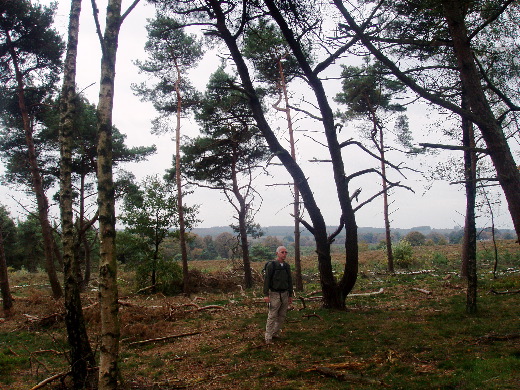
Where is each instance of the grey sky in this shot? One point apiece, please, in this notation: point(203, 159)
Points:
point(442, 206)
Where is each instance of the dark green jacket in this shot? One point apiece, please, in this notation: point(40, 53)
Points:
point(278, 278)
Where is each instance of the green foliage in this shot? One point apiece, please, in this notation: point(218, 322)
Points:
point(260, 253)
point(150, 214)
point(403, 254)
point(171, 53)
point(37, 45)
point(29, 245)
point(265, 46)
point(440, 260)
point(367, 89)
point(168, 276)
point(415, 238)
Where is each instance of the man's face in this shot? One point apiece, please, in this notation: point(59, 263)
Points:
point(282, 254)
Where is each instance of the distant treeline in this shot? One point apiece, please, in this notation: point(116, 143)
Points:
point(372, 235)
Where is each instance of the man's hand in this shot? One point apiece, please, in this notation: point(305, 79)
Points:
point(267, 299)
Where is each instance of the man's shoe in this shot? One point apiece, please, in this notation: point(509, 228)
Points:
point(268, 341)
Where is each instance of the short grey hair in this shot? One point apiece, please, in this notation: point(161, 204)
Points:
point(280, 248)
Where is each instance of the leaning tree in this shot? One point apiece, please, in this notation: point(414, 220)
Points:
point(225, 22)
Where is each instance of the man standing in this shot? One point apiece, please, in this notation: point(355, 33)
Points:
point(278, 292)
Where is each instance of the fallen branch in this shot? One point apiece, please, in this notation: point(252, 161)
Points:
point(317, 298)
point(44, 321)
point(422, 291)
point(505, 292)
point(143, 342)
point(49, 380)
point(380, 291)
point(201, 308)
point(147, 288)
point(209, 307)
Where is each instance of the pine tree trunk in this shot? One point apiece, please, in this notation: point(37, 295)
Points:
point(497, 146)
point(469, 246)
point(248, 277)
point(82, 358)
point(108, 293)
point(388, 233)
point(242, 227)
point(41, 198)
point(178, 181)
point(7, 298)
point(334, 294)
point(296, 205)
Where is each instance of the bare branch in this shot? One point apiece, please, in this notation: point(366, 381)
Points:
point(361, 146)
point(491, 19)
point(95, 12)
point(453, 147)
point(304, 223)
point(130, 9)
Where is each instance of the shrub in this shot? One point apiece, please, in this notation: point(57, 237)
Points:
point(168, 276)
point(439, 259)
point(415, 238)
point(403, 254)
point(260, 253)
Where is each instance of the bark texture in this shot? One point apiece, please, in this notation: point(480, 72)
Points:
point(81, 355)
point(108, 293)
point(492, 133)
point(7, 298)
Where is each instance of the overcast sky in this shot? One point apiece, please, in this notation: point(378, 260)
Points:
point(436, 204)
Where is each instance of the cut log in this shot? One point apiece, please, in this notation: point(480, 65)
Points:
point(427, 292)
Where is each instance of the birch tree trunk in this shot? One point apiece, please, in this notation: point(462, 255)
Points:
point(81, 357)
point(108, 293)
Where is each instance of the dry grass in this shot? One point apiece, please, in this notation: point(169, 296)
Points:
point(215, 340)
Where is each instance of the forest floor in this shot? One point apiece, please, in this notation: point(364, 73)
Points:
point(407, 330)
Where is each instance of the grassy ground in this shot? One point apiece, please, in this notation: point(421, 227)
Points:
point(414, 334)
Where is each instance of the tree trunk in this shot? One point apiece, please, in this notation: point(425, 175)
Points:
point(334, 294)
point(41, 198)
point(469, 246)
point(178, 181)
point(248, 277)
point(380, 145)
point(481, 113)
point(242, 226)
point(7, 298)
point(388, 233)
point(87, 250)
point(492, 133)
point(108, 293)
point(82, 358)
point(296, 206)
